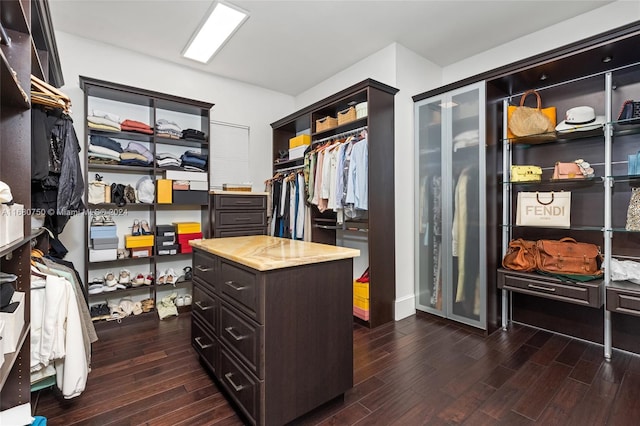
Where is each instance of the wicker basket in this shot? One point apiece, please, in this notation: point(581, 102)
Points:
point(346, 115)
point(326, 123)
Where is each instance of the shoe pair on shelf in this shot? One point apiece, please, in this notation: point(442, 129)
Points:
point(99, 285)
point(168, 277)
point(364, 278)
point(183, 300)
point(102, 220)
point(141, 279)
point(140, 227)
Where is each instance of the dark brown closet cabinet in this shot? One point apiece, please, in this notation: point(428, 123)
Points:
point(379, 227)
point(29, 49)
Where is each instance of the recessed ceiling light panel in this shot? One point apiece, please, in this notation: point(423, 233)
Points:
point(221, 23)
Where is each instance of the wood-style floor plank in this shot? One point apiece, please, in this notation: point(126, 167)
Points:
point(421, 370)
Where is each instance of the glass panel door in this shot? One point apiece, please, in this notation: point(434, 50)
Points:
point(429, 265)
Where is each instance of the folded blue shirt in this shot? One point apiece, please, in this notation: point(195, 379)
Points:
point(106, 142)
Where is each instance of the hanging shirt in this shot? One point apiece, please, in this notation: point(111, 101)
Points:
point(358, 178)
point(300, 209)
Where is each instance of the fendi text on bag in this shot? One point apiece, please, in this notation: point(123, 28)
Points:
point(546, 209)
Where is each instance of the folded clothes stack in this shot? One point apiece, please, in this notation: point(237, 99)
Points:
point(104, 150)
point(168, 129)
point(193, 134)
point(136, 126)
point(192, 160)
point(136, 155)
point(166, 159)
point(102, 120)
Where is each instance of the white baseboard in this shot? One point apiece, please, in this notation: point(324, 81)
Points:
point(405, 307)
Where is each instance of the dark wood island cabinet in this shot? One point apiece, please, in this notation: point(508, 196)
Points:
point(272, 320)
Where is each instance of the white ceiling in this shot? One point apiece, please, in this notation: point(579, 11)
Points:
point(290, 46)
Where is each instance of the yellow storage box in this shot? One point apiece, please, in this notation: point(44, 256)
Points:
point(299, 141)
point(165, 188)
point(361, 302)
point(187, 227)
point(136, 241)
point(361, 289)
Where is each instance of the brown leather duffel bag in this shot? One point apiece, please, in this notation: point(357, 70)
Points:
point(567, 256)
point(521, 256)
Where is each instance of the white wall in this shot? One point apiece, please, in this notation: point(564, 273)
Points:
point(403, 69)
point(235, 102)
point(597, 21)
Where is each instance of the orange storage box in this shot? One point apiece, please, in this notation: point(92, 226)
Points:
point(164, 191)
point(136, 241)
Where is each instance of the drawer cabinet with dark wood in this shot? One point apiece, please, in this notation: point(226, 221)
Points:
point(587, 293)
point(281, 340)
point(233, 215)
point(624, 298)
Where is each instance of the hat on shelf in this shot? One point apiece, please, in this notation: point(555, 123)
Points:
point(5, 193)
point(580, 118)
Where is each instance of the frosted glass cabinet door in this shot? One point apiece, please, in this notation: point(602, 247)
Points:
point(450, 205)
point(429, 134)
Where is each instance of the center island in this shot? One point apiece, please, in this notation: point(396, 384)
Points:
point(273, 321)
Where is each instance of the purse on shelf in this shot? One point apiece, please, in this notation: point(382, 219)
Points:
point(526, 173)
point(97, 192)
point(633, 211)
point(632, 167)
point(520, 256)
point(544, 209)
point(629, 112)
point(527, 121)
point(117, 194)
point(567, 171)
point(568, 257)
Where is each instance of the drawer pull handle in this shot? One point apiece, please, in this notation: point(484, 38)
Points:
point(243, 202)
point(242, 219)
point(234, 285)
point(237, 337)
point(539, 287)
point(197, 339)
point(235, 387)
point(203, 269)
point(203, 308)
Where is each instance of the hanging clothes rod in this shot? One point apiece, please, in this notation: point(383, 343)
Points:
point(286, 169)
point(347, 133)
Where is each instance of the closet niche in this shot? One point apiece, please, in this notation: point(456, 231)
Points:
point(368, 105)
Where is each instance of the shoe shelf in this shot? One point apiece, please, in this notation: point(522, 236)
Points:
point(148, 107)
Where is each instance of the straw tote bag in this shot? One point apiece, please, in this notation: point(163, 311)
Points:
point(527, 121)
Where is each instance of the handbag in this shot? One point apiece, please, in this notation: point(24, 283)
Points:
point(520, 256)
point(546, 209)
point(527, 121)
point(633, 211)
point(526, 174)
point(97, 191)
point(567, 171)
point(632, 167)
point(117, 194)
point(567, 256)
point(629, 112)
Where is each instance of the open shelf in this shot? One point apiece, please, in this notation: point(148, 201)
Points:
point(117, 168)
point(11, 357)
point(12, 92)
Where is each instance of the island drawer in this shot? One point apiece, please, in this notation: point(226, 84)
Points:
point(237, 202)
point(245, 390)
point(624, 298)
point(205, 344)
point(204, 266)
point(241, 286)
point(243, 336)
point(205, 306)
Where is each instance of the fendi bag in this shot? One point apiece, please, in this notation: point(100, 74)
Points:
point(546, 209)
point(567, 256)
point(526, 174)
point(521, 256)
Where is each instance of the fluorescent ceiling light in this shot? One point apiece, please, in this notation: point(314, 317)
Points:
point(223, 20)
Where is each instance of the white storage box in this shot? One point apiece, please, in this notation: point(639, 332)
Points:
point(361, 110)
point(297, 152)
point(13, 323)
point(11, 223)
point(103, 255)
point(186, 175)
point(196, 185)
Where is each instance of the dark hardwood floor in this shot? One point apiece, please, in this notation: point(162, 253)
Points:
point(420, 370)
